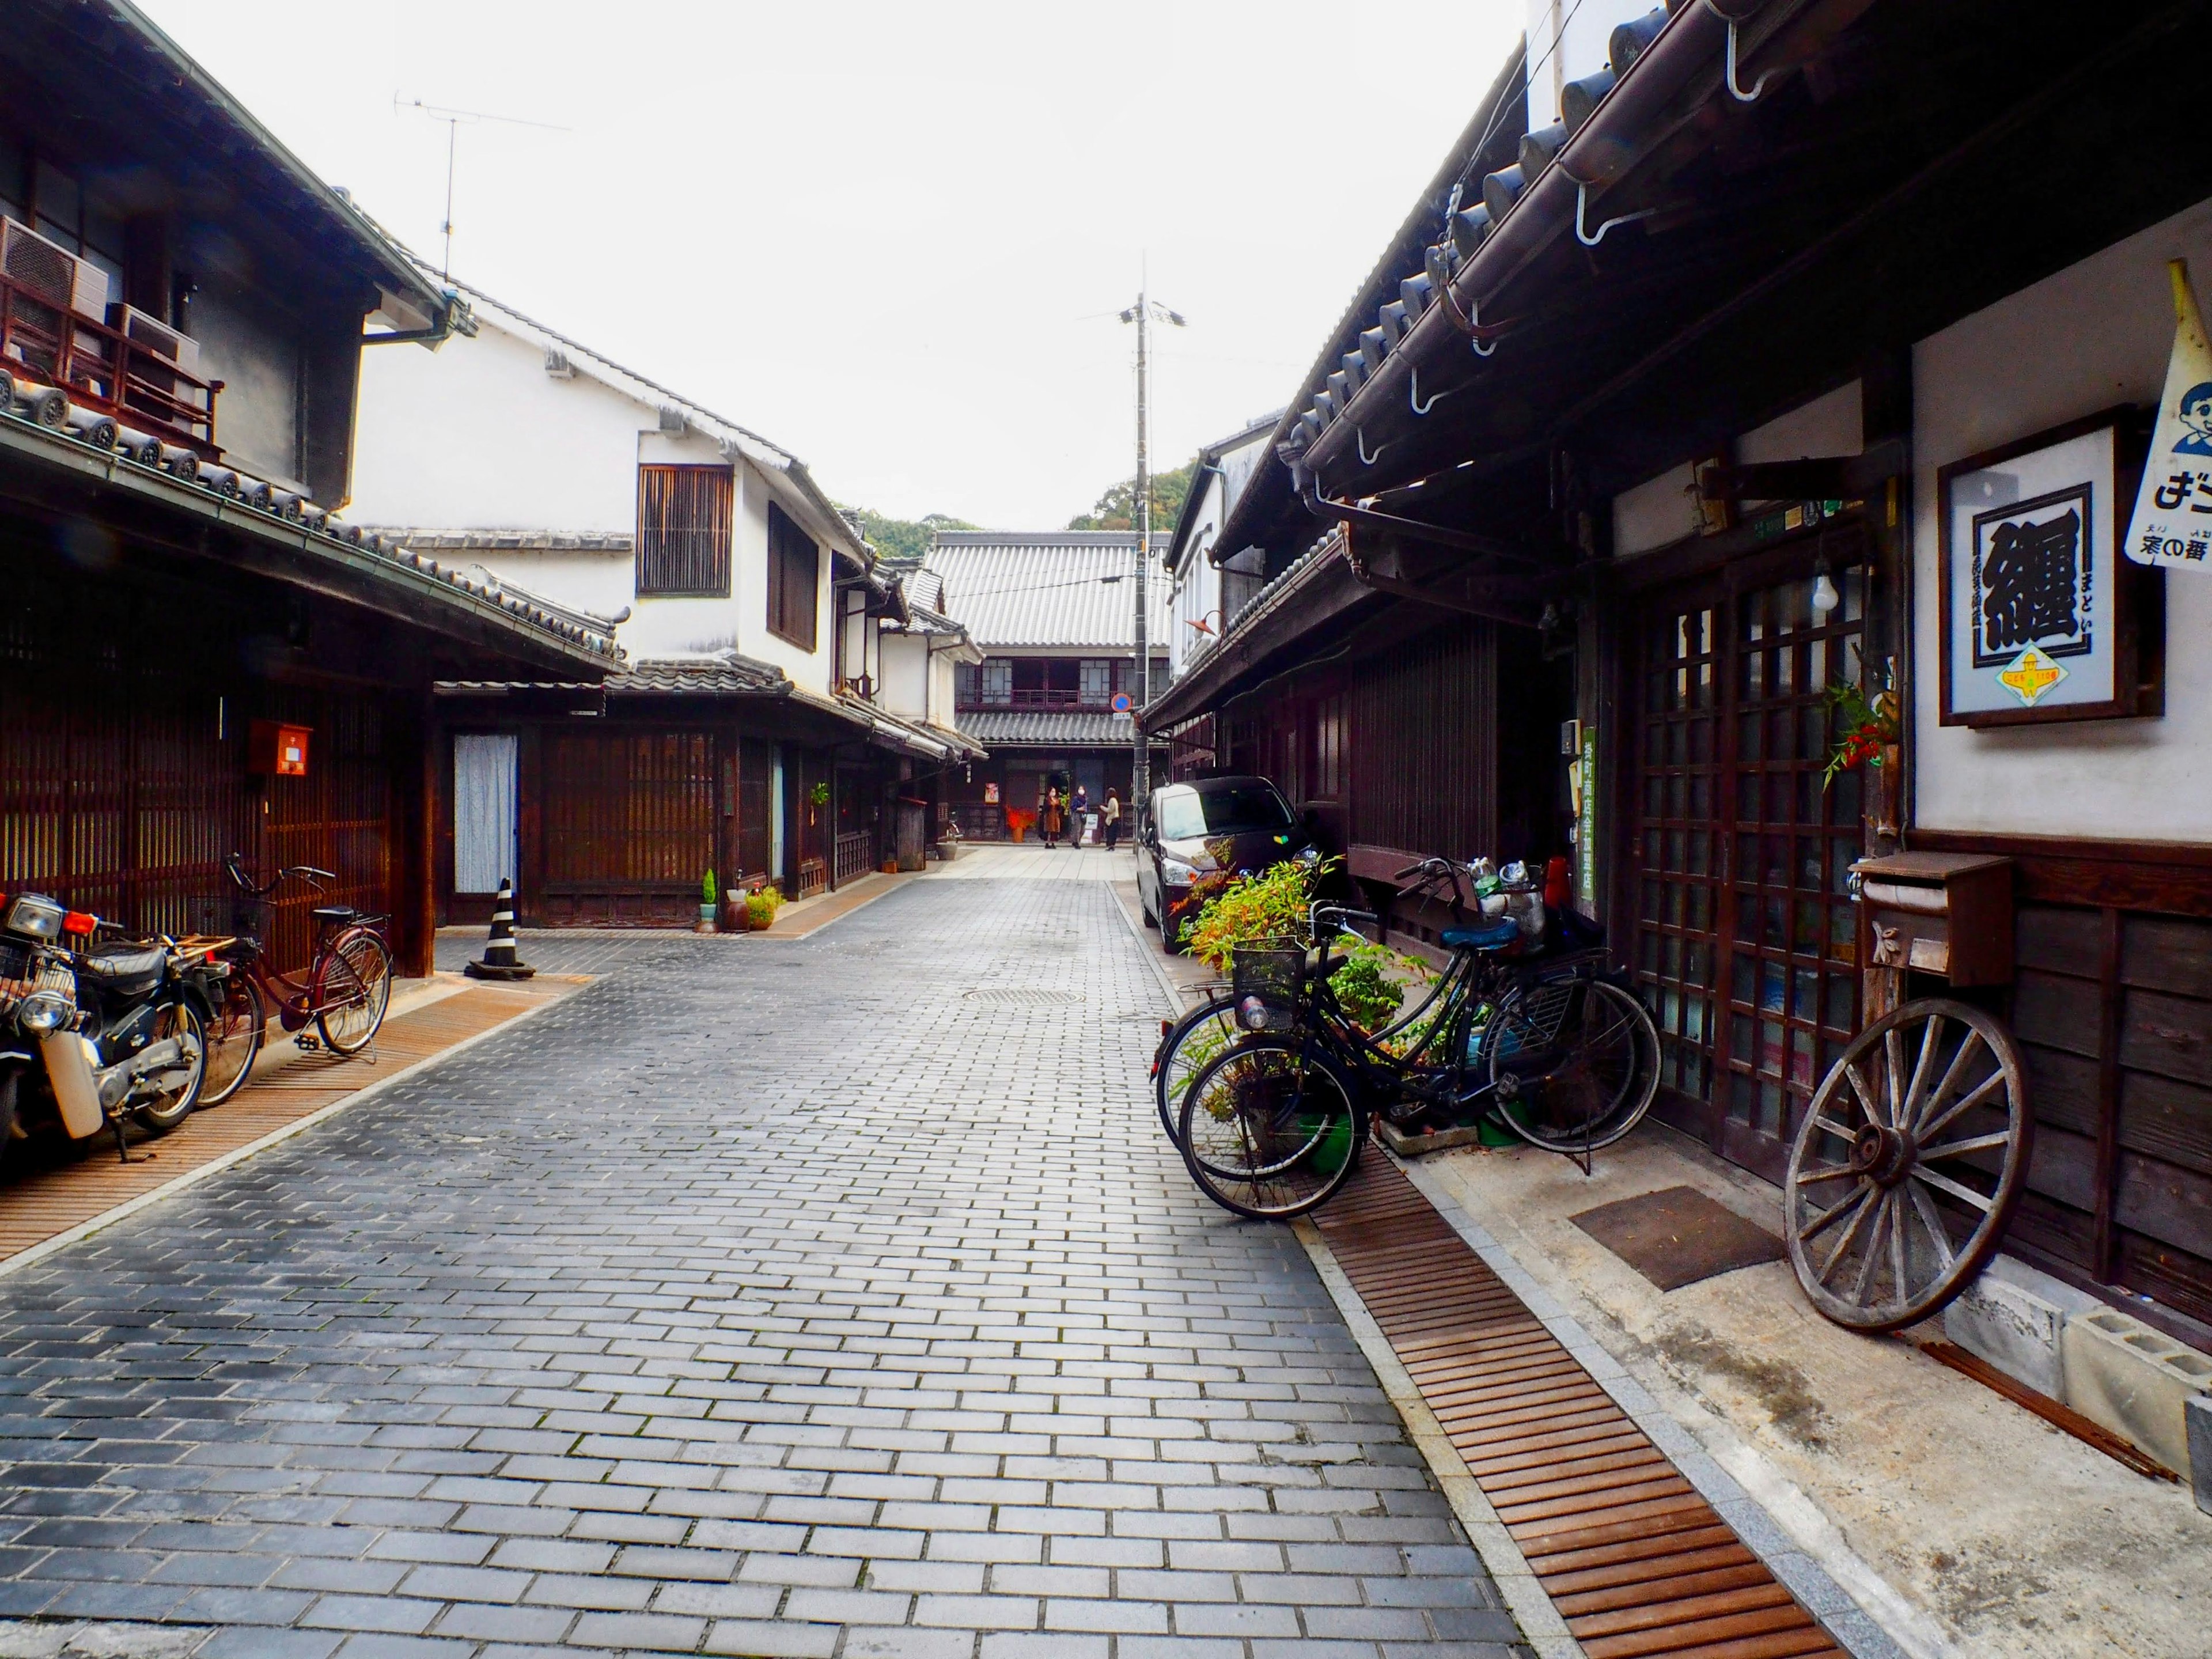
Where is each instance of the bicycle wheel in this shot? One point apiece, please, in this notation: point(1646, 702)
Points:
point(234, 1038)
point(1191, 1041)
point(174, 1091)
point(352, 989)
point(1574, 1065)
point(1269, 1131)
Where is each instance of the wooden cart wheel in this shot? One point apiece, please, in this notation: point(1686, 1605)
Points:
point(1908, 1165)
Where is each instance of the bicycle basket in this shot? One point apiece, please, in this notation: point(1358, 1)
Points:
point(252, 918)
point(1265, 980)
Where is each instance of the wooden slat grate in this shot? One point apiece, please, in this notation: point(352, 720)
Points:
point(1637, 1562)
point(40, 1204)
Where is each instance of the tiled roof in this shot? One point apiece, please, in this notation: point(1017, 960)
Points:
point(239, 497)
point(1023, 588)
point(1057, 728)
point(515, 541)
point(726, 675)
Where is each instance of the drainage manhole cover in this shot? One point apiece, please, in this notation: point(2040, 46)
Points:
point(1022, 996)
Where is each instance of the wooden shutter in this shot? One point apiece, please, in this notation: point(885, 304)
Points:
point(794, 575)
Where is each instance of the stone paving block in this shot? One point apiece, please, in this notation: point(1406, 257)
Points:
point(894, 1349)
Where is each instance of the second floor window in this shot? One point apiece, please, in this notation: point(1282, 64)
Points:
point(795, 579)
point(1097, 681)
point(998, 680)
point(683, 529)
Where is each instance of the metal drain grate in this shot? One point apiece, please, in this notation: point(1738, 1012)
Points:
point(1023, 996)
point(1637, 1563)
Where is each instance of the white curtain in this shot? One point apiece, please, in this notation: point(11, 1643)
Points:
point(483, 810)
point(776, 820)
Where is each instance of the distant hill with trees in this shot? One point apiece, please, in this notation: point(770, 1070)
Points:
point(901, 538)
point(1112, 510)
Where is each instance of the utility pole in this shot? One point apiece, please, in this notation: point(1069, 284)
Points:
point(1140, 760)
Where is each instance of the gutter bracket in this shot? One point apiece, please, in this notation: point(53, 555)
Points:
point(1413, 394)
point(1735, 88)
point(1482, 335)
point(1359, 438)
point(1591, 239)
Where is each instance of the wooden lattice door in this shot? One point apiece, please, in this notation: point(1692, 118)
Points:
point(1746, 939)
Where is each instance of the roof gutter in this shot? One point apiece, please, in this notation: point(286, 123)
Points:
point(1697, 41)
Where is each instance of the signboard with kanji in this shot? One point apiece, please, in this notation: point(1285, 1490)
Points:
point(2038, 611)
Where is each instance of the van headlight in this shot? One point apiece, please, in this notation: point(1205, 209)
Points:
point(44, 1012)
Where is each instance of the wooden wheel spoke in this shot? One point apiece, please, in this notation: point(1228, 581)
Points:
point(1964, 1193)
point(1897, 1253)
point(1971, 1144)
point(1892, 1054)
point(1836, 1250)
point(1932, 1220)
point(1825, 1173)
point(1865, 1280)
point(1835, 1129)
point(1954, 1074)
point(1931, 1038)
point(1982, 1091)
point(1828, 1218)
point(1866, 1095)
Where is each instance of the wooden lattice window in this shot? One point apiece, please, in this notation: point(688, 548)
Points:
point(795, 579)
point(685, 527)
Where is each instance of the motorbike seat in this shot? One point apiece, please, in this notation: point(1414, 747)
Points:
point(333, 915)
point(126, 969)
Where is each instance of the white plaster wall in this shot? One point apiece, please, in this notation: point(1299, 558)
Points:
point(904, 688)
point(1198, 584)
point(1655, 511)
point(478, 435)
point(814, 670)
point(2093, 336)
point(1831, 424)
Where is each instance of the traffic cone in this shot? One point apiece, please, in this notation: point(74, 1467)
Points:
point(499, 960)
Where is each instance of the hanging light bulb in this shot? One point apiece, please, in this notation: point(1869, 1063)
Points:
point(1825, 596)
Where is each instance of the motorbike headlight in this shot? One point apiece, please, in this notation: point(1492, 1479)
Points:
point(34, 915)
point(43, 1011)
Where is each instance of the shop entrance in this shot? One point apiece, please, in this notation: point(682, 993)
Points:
point(1746, 939)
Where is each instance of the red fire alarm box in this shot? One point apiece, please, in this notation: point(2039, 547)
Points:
point(276, 749)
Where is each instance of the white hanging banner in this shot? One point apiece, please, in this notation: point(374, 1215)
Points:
point(2173, 522)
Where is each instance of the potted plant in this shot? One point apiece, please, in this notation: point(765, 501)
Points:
point(761, 906)
point(707, 904)
point(1019, 821)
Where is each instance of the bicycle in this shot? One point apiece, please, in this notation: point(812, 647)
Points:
point(343, 991)
point(1271, 1126)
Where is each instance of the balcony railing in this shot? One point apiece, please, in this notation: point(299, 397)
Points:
point(1038, 697)
point(102, 369)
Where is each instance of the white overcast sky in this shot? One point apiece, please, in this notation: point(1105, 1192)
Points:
point(893, 236)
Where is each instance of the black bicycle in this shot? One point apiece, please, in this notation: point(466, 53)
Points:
point(1271, 1126)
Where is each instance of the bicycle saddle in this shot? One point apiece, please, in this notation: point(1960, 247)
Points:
point(1489, 936)
point(333, 915)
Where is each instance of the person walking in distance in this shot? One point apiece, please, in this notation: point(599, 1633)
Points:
point(1111, 812)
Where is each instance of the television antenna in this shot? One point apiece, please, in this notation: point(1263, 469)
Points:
point(454, 120)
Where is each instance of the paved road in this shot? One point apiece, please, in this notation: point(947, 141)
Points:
point(834, 1298)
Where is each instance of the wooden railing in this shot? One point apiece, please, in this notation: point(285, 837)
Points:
point(102, 369)
point(855, 855)
point(1037, 698)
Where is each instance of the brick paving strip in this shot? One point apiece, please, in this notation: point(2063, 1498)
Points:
point(1634, 1558)
point(57, 1205)
point(834, 1297)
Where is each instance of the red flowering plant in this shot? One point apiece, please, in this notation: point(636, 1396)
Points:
point(1864, 728)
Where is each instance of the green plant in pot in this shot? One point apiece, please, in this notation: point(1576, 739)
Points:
point(761, 907)
point(707, 902)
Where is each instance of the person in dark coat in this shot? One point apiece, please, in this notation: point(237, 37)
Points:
point(1079, 816)
point(1050, 819)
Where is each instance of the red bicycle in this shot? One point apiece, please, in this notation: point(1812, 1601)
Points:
point(344, 990)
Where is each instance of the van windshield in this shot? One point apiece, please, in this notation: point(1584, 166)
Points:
point(1242, 809)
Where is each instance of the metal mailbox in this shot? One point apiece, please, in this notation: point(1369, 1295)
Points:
point(1940, 913)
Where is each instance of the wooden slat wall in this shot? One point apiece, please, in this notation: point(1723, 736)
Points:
point(629, 809)
point(2112, 1002)
point(1422, 745)
point(122, 779)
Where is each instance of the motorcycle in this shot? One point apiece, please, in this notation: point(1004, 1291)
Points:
point(109, 1036)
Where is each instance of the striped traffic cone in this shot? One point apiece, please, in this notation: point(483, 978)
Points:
point(499, 960)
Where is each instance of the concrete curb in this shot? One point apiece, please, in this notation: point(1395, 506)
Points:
point(1776, 1520)
point(1532, 1609)
point(106, 1218)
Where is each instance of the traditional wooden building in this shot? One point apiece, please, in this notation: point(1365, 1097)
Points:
point(183, 313)
point(1052, 615)
point(747, 736)
point(1750, 354)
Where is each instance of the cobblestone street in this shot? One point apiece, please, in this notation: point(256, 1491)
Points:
point(837, 1297)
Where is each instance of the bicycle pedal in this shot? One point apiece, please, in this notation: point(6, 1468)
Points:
point(307, 1044)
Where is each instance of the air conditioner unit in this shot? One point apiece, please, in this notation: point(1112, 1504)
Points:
point(179, 351)
point(51, 272)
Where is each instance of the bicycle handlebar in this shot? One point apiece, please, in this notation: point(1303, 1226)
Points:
point(235, 864)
